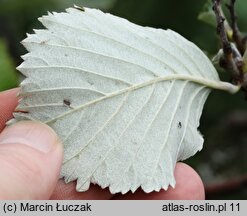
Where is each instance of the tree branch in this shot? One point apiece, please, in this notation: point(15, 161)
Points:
point(228, 61)
point(221, 30)
point(237, 37)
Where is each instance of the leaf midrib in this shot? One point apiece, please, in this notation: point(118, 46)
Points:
point(206, 82)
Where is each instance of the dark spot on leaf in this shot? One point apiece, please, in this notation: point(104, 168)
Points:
point(66, 55)
point(43, 42)
point(66, 102)
point(179, 125)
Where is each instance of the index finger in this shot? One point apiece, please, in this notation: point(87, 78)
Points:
point(8, 103)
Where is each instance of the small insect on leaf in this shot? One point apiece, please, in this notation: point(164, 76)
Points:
point(66, 102)
point(131, 88)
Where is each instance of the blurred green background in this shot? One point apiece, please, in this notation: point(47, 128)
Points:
point(223, 161)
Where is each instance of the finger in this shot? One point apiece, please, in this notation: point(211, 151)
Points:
point(30, 161)
point(189, 186)
point(8, 102)
point(68, 192)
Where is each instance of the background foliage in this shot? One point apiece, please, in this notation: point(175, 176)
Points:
point(224, 120)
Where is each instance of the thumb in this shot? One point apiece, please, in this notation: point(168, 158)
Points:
point(30, 160)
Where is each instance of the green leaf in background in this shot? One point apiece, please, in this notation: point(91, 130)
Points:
point(8, 75)
point(207, 15)
point(245, 62)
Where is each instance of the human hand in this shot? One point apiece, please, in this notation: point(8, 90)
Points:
point(31, 157)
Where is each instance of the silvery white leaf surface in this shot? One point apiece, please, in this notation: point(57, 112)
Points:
point(125, 100)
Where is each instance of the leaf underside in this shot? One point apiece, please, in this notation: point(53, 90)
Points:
point(125, 100)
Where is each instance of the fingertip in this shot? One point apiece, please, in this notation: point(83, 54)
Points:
point(8, 103)
point(189, 184)
point(10, 92)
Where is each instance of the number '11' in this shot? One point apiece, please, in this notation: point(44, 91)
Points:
point(235, 207)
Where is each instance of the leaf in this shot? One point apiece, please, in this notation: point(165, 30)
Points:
point(8, 76)
point(207, 14)
point(124, 99)
point(245, 62)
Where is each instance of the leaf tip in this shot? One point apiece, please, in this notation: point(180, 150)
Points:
point(40, 19)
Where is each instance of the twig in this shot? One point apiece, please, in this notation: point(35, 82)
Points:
point(221, 30)
point(237, 37)
point(228, 61)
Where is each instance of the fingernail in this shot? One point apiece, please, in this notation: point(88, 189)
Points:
point(36, 135)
